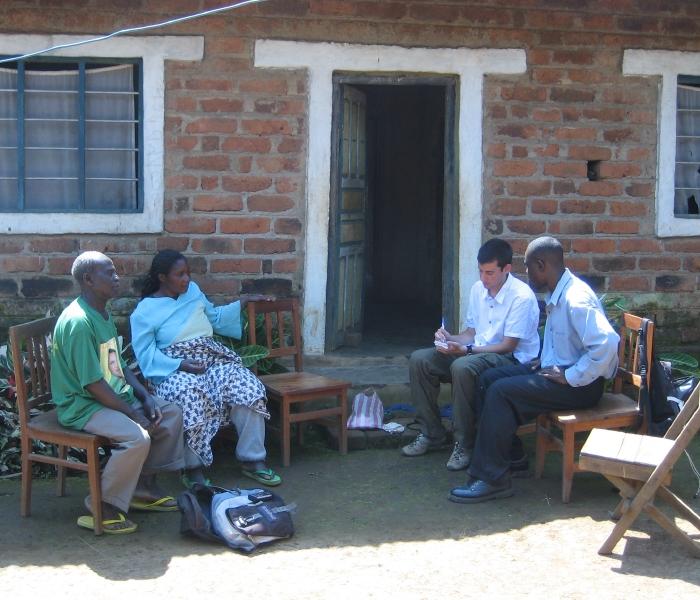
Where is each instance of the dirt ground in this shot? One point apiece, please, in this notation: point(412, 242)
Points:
point(371, 524)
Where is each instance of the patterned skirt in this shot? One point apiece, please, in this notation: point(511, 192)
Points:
point(206, 400)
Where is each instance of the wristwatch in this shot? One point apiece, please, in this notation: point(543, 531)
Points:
point(470, 349)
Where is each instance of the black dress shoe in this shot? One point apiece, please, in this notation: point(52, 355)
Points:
point(480, 491)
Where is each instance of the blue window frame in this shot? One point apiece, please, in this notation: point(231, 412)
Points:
point(71, 135)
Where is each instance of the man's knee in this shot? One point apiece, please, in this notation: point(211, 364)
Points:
point(420, 360)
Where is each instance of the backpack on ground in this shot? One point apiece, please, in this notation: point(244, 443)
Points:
point(243, 519)
point(663, 400)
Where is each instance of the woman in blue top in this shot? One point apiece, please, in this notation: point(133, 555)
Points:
point(171, 332)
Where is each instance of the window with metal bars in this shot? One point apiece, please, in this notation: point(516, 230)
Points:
point(71, 136)
point(687, 172)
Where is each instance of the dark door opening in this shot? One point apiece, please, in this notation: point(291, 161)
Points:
point(404, 267)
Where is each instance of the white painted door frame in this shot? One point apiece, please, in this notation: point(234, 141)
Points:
point(320, 60)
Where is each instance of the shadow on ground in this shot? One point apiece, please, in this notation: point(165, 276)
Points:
point(369, 503)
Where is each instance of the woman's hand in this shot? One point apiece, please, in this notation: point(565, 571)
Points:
point(192, 366)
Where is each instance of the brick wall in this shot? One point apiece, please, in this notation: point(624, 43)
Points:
point(236, 139)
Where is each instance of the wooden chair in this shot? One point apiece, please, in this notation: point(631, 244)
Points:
point(33, 391)
point(640, 466)
point(295, 388)
point(615, 410)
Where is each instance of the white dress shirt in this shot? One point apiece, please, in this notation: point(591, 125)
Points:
point(578, 336)
point(512, 313)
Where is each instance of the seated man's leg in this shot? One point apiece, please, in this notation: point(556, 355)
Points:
point(121, 473)
point(427, 368)
point(465, 373)
point(166, 454)
point(510, 402)
point(250, 449)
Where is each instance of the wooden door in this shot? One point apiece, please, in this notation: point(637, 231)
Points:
point(348, 220)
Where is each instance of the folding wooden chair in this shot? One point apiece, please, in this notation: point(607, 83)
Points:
point(30, 344)
point(640, 467)
point(293, 389)
point(615, 410)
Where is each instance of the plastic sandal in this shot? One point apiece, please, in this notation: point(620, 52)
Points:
point(164, 504)
point(188, 483)
point(119, 526)
point(264, 476)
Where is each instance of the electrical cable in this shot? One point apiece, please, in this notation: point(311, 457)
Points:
point(175, 21)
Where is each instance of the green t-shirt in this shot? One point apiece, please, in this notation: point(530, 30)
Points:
point(85, 349)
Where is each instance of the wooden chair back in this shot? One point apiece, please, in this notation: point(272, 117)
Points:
point(30, 344)
point(282, 328)
point(629, 354)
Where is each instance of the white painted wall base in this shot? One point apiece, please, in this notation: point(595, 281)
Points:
point(321, 60)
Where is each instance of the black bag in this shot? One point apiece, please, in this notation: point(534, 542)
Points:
point(664, 400)
point(241, 519)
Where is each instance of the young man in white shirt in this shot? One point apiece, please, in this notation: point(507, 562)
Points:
point(579, 353)
point(501, 330)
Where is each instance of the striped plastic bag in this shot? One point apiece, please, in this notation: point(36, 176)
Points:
point(367, 411)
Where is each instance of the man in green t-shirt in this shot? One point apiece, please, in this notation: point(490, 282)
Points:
point(95, 391)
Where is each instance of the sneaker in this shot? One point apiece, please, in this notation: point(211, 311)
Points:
point(421, 445)
point(460, 458)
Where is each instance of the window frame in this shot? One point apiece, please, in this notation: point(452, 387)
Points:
point(153, 51)
point(667, 66)
point(21, 150)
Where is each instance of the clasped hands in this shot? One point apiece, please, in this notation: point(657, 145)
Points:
point(446, 345)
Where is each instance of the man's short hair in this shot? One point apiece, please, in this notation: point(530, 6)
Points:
point(85, 263)
point(546, 247)
point(495, 249)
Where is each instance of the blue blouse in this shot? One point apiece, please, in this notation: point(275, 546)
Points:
point(160, 322)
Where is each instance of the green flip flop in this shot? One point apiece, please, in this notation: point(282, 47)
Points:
point(188, 483)
point(119, 526)
point(264, 476)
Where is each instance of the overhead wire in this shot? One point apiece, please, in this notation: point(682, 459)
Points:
point(198, 15)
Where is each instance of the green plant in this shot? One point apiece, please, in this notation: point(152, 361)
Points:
point(681, 363)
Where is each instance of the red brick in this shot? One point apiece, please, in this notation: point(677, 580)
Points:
point(286, 186)
point(614, 263)
point(523, 93)
point(565, 169)
point(549, 115)
point(578, 227)
point(217, 245)
point(382, 10)
point(566, 94)
point(181, 142)
point(208, 182)
point(59, 245)
point(497, 112)
point(575, 133)
point(644, 117)
point(288, 145)
point(563, 187)
point(269, 203)
point(245, 164)
point(659, 263)
point(222, 85)
point(548, 76)
point(619, 135)
point(285, 265)
point(600, 188)
point(613, 227)
point(544, 207)
point(443, 13)
point(638, 154)
point(181, 182)
point(605, 114)
point(514, 168)
point(217, 203)
point(331, 7)
point(628, 209)
point(213, 285)
point(629, 283)
point(585, 207)
point(190, 225)
point(288, 226)
point(236, 265)
point(221, 105)
point(212, 125)
point(497, 150)
point(243, 144)
point(526, 226)
point(270, 164)
point(587, 76)
point(22, 264)
point(640, 189)
point(574, 57)
point(509, 207)
point(268, 246)
point(244, 225)
point(691, 263)
point(528, 188)
point(217, 162)
point(210, 143)
point(181, 104)
point(226, 45)
point(589, 153)
point(594, 246)
point(638, 246)
point(619, 170)
point(245, 183)
point(687, 245)
point(173, 243)
point(264, 86)
point(518, 131)
point(675, 283)
point(267, 126)
point(578, 264)
point(550, 151)
point(60, 266)
point(520, 152)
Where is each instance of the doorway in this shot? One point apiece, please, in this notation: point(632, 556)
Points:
point(393, 214)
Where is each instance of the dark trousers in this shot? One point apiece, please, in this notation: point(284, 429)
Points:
point(515, 395)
